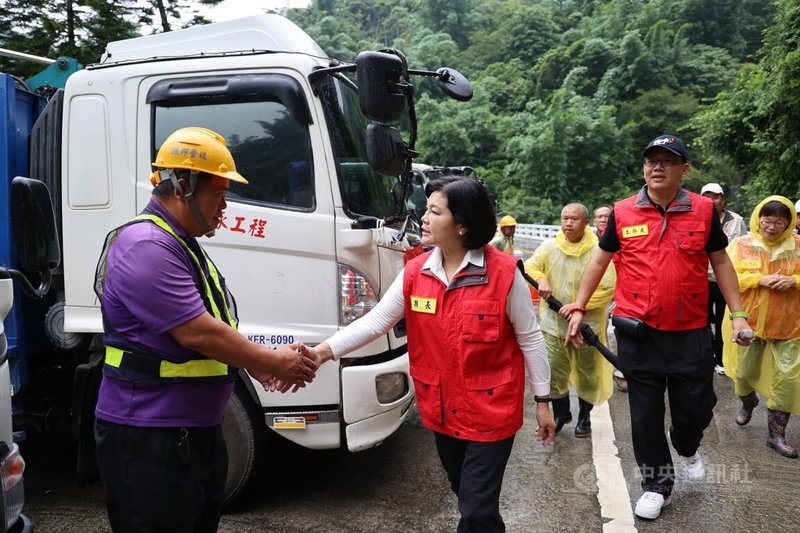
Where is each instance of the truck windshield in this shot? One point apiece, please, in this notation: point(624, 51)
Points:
point(364, 191)
point(265, 120)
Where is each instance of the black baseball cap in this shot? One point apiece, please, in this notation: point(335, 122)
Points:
point(667, 142)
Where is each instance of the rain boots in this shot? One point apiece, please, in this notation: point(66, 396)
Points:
point(561, 412)
point(776, 425)
point(583, 428)
point(749, 403)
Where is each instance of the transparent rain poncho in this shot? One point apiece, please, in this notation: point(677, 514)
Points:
point(562, 263)
point(771, 364)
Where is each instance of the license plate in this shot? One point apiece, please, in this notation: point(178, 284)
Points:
point(289, 422)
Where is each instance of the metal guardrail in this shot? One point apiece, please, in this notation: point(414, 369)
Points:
point(528, 237)
point(538, 232)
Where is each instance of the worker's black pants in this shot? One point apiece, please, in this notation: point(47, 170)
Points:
point(475, 471)
point(154, 485)
point(682, 364)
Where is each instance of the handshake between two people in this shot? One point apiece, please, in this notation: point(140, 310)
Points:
point(294, 365)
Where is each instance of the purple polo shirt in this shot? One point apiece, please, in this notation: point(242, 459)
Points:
point(150, 288)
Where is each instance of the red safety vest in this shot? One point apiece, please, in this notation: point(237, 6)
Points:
point(466, 363)
point(662, 264)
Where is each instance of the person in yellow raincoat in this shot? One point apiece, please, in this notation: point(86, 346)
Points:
point(767, 262)
point(558, 265)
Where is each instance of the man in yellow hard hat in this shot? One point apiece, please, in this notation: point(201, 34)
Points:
point(172, 349)
point(505, 240)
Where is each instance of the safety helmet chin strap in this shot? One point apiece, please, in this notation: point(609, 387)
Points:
point(193, 175)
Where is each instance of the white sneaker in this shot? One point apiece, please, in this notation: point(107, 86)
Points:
point(719, 369)
point(650, 504)
point(694, 467)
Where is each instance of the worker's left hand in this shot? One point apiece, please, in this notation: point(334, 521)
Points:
point(546, 430)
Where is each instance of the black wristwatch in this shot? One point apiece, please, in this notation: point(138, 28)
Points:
point(542, 399)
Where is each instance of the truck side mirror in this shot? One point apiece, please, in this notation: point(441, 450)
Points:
point(379, 91)
point(386, 150)
point(34, 226)
point(454, 84)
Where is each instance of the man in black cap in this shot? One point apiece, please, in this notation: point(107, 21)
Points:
point(664, 237)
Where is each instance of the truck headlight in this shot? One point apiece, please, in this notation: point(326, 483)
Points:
point(391, 387)
point(356, 295)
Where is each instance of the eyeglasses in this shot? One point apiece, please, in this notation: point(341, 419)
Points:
point(774, 222)
point(652, 163)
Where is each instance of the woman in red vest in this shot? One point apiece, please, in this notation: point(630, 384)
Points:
point(472, 332)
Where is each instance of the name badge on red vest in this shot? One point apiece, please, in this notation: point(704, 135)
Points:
point(423, 305)
point(635, 231)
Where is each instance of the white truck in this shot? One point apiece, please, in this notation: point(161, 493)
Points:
point(307, 247)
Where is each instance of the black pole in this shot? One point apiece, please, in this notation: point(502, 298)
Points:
point(589, 336)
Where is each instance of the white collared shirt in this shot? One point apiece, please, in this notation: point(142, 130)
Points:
point(391, 309)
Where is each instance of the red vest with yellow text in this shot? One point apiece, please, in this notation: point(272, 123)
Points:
point(662, 263)
point(464, 357)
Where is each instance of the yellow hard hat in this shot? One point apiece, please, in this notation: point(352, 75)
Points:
point(197, 149)
point(507, 220)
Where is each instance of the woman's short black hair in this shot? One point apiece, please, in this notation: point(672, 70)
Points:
point(775, 209)
point(469, 202)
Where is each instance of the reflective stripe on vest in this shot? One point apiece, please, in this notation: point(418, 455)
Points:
point(195, 368)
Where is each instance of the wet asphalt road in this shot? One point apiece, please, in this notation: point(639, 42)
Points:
point(400, 487)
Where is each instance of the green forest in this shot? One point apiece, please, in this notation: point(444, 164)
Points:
point(566, 92)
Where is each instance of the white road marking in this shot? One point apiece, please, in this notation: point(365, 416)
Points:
point(612, 493)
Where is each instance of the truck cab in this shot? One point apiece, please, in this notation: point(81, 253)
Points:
point(309, 246)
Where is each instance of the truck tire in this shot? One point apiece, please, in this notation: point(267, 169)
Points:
point(244, 432)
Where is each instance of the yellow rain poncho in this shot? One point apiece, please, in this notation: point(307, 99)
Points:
point(562, 263)
point(771, 364)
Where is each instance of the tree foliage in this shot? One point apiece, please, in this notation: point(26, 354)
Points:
point(754, 125)
point(566, 92)
point(82, 28)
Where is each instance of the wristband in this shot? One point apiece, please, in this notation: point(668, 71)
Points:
point(739, 314)
point(542, 399)
point(580, 309)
